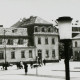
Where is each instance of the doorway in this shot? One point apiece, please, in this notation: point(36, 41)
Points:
point(40, 55)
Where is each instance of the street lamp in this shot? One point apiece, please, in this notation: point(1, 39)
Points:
point(65, 33)
point(5, 50)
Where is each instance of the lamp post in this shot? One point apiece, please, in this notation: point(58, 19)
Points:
point(65, 33)
point(5, 50)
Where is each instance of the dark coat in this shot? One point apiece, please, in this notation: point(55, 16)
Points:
point(26, 67)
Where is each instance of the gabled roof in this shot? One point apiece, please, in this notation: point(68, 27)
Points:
point(31, 21)
point(76, 37)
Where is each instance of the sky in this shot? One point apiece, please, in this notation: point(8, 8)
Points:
point(12, 11)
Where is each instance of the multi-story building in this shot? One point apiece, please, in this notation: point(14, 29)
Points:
point(76, 47)
point(43, 35)
point(76, 40)
point(29, 40)
point(14, 45)
point(46, 42)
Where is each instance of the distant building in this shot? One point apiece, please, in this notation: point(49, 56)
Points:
point(72, 30)
point(76, 47)
point(76, 40)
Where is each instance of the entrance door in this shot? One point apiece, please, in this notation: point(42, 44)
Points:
point(40, 55)
point(77, 55)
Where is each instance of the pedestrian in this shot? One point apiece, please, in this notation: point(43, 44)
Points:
point(26, 68)
point(44, 61)
point(39, 62)
point(6, 65)
point(31, 64)
point(3, 65)
point(21, 65)
point(17, 64)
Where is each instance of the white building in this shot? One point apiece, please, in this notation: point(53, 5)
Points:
point(29, 40)
point(14, 44)
point(46, 42)
point(43, 35)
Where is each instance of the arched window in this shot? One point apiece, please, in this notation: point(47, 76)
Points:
point(75, 44)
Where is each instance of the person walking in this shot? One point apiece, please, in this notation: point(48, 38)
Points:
point(44, 61)
point(31, 64)
point(3, 65)
point(26, 68)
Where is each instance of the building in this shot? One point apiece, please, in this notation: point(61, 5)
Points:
point(46, 42)
point(43, 35)
point(72, 30)
point(76, 40)
point(14, 45)
point(76, 47)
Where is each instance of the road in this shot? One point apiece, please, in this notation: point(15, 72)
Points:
point(51, 71)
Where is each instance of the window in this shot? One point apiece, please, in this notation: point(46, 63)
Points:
point(0, 41)
point(1, 55)
point(49, 29)
point(10, 42)
point(47, 53)
point(13, 55)
point(36, 29)
point(75, 28)
point(15, 30)
point(43, 30)
point(46, 40)
point(75, 44)
point(53, 53)
point(20, 41)
point(39, 40)
point(22, 54)
point(53, 41)
point(30, 53)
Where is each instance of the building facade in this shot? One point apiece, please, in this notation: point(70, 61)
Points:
point(43, 35)
point(76, 47)
point(14, 45)
point(32, 39)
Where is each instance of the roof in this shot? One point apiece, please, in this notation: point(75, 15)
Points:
point(13, 32)
point(31, 21)
point(76, 37)
point(19, 23)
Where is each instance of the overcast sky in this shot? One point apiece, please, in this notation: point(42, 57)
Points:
point(12, 10)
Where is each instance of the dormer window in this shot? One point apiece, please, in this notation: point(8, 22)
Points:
point(49, 29)
point(43, 30)
point(0, 41)
point(14, 30)
point(36, 29)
